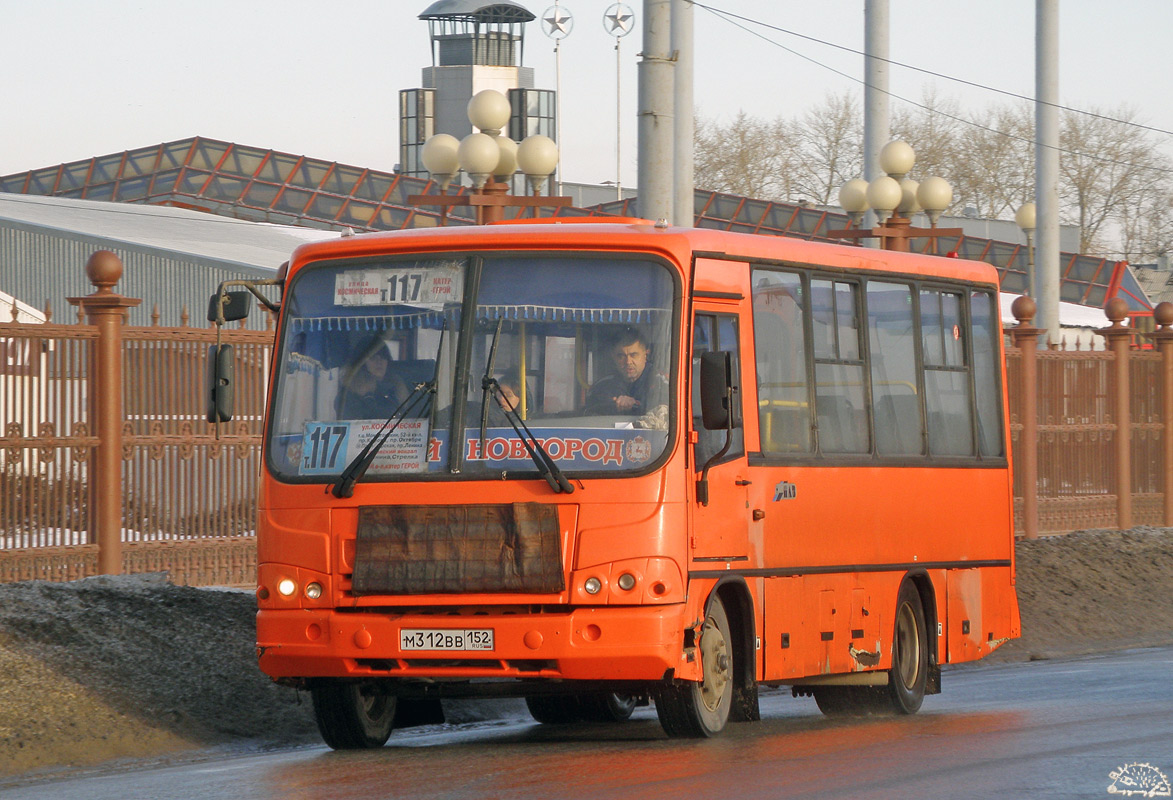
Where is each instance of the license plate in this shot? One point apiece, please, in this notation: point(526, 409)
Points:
point(445, 639)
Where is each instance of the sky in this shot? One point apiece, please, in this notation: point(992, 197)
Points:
point(83, 78)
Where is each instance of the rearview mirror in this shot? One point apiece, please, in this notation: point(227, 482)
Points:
point(237, 306)
point(716, 386)
point(221, 376)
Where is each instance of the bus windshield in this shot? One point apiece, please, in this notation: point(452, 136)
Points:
point(473, 349)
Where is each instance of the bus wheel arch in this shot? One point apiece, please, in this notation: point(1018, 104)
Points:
point(725, 647)
point(734, 595)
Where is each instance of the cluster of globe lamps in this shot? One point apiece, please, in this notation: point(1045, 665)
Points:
point(487, 154)
point(895, 194)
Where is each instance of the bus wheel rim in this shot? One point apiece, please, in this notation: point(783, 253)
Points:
point(907, 647)
point(715, 663)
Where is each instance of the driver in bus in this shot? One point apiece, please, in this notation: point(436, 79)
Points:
point(368, 391)
point(633, 388)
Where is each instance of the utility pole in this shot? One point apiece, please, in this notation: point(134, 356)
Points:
point(876, 124)
point(682, 39)
point(1047, 164)
point(655, 112)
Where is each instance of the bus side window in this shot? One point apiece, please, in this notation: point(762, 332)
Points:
point(781, 357)
point(947, 385)
point(712, 333)
point(895, 397)
point(986, 373)
point(840, 393)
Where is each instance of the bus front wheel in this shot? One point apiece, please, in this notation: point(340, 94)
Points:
point(353, 716)
point(700, 710)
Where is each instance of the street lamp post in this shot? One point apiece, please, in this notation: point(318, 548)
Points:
point(895, 198)
point(1025, 217)
point(490, 160)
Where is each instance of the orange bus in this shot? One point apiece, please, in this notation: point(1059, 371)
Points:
point(601, 464)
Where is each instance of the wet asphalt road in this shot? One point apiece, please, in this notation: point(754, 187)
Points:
point(1048, 729)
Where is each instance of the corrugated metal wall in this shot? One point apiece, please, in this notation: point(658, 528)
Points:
point(39, 263)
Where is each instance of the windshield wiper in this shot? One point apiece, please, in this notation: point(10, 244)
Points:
point(358, 467)
point(537, 453)
point(486, 388)
point(436, 378)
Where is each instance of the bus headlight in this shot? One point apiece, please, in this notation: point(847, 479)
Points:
point(286, 587)
point(592, 585)
point(313, 590)
point(627, 581)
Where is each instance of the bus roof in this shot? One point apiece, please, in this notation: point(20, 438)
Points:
point(627, 234)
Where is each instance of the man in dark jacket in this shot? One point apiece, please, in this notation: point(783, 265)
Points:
point(633, 388)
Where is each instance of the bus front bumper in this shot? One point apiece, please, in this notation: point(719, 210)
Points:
point(611, 643)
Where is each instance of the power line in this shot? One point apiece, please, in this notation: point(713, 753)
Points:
point(730, 15)
point(732, 20)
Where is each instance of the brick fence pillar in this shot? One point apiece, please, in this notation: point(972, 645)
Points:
point(1163, 314)
point(106, 311)
point(1026, 339)
point(1119, 338)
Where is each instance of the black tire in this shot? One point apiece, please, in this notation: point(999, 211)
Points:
point(608, 707)
point(910, 653)
point(701, 710)
point(554, 709)
point(353, 716)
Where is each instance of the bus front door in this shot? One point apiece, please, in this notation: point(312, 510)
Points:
point(720, 526)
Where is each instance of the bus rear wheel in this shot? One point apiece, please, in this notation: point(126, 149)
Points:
point(700, 710)
point(353, 715)
point(910, 653)
point(907, 678)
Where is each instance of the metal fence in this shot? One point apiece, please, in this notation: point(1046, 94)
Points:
point(107, 464)
point(1089, 427)
point(106, 461)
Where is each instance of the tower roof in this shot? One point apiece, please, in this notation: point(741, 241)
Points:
point(501, 11)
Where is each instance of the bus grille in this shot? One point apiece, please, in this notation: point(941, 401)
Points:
point(513, 548)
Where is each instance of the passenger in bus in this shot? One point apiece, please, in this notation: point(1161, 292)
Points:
point(368, 391)
point(633, 388)
point(509, 398)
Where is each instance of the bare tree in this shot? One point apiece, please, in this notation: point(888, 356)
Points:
point(933, 129)
point(751, 156)
point(830, 137)
point(1146, 230)
point(1108, 169)
point(1115, 183)
point(992, 166)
